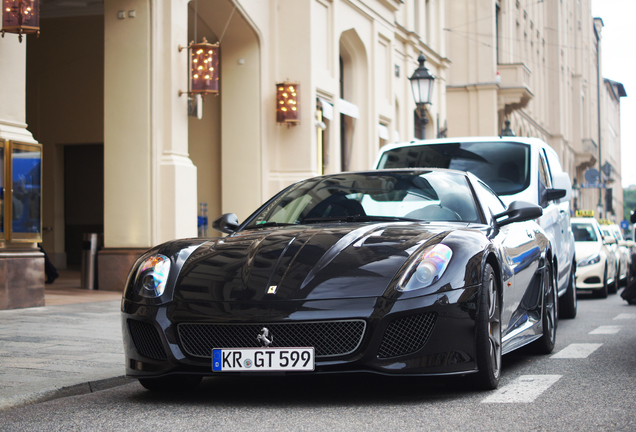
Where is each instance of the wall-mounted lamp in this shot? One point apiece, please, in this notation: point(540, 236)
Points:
point(422, 86)
point(20, 17)
point(204, 68)
point(287, 109)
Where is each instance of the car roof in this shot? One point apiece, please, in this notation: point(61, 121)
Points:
point(403, 170)
point(529, 141)
point(584, 220)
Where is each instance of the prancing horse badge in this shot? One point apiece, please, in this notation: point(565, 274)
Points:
point(272, 289)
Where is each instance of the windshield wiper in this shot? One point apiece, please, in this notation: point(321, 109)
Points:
point(359, 218)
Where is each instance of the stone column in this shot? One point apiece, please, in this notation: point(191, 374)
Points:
point(21, 264)
point(150, 181)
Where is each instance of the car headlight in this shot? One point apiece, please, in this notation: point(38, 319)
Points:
point(152, 276)
point(426, 269)
point(589, 261)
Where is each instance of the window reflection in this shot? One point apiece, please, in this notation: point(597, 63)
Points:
point(26, 168)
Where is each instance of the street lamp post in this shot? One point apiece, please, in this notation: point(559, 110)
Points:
point(422, 86)
point(576, 193)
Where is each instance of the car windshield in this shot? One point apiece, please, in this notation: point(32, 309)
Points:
point(373, 196)
point(584, 232)
point(617, 233)
point(608, 233)
point(504, 166)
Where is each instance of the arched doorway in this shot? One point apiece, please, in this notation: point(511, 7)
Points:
point(354, 143)
point(225, 144)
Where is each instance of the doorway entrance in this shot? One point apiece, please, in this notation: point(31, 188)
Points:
point(83, 197)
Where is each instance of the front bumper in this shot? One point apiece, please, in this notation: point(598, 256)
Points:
point(590, 277)
point(154, 345)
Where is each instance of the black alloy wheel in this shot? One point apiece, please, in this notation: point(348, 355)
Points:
point(488, 333)
point(172, 383)
point(549, 312)
point(568, 302)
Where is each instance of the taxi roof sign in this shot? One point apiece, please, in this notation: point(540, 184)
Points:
point(585, 213)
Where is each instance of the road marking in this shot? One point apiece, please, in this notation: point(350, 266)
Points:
point(524, 389)
point(606, 330)
point(576, 351)
point(625, 316)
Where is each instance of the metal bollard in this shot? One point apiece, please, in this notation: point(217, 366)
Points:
point(89, 261)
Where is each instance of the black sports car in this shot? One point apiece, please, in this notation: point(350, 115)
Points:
point(421, 272)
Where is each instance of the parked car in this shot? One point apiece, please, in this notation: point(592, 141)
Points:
point(525, 169)
point(622, 251)
point(398, 272)
point(596, 261)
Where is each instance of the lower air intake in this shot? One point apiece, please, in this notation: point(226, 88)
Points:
point(407, 335)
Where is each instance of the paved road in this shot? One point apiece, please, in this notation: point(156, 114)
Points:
point(589, 383)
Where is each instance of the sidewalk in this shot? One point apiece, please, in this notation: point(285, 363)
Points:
point(71, 346)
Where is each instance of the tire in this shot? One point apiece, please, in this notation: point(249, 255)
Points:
point(613, 288)
point(568, 303)
point(172, 383)
point(488, 338)
point(602, 293)
point(549, 314)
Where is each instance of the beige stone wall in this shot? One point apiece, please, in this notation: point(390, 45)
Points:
point(546, 56)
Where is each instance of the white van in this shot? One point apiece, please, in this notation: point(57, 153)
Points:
point(525, 169)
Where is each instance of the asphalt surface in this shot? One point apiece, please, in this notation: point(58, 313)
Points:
point(62, 354)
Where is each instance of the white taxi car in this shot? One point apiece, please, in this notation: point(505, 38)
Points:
point(524, 169)
point(622, 251)
point(596, 263)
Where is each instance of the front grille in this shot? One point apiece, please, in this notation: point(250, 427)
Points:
point(407, 335)
point(146, 340)
point(329, 338)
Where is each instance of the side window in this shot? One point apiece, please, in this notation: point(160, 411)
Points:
point(544, 181)
point(554, 166)
point(489, 199)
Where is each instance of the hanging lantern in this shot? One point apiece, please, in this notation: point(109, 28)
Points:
point(287, 109)
point(204, 68)
point(20, 17)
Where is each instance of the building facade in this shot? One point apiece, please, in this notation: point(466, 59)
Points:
point(103, 92)
point(537, 65)
point(103, 89)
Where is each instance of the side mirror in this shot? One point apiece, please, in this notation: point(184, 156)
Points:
point(227, 223)
point(519, 211)
point(609, 240)
point(555, 194)
point(561, 181)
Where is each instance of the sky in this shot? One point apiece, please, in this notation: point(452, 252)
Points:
point(619, 64)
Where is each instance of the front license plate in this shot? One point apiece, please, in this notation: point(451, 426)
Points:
point(262, 359)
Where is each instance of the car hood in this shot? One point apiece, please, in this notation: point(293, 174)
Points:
point(586, 249)
point(300, 262)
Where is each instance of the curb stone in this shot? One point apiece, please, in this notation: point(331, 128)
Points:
point(18, 401)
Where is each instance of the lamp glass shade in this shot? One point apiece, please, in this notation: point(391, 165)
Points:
point(287, 109)
point(422, 83)
point(204, 68)
point(21, 16)
point(422, 90)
